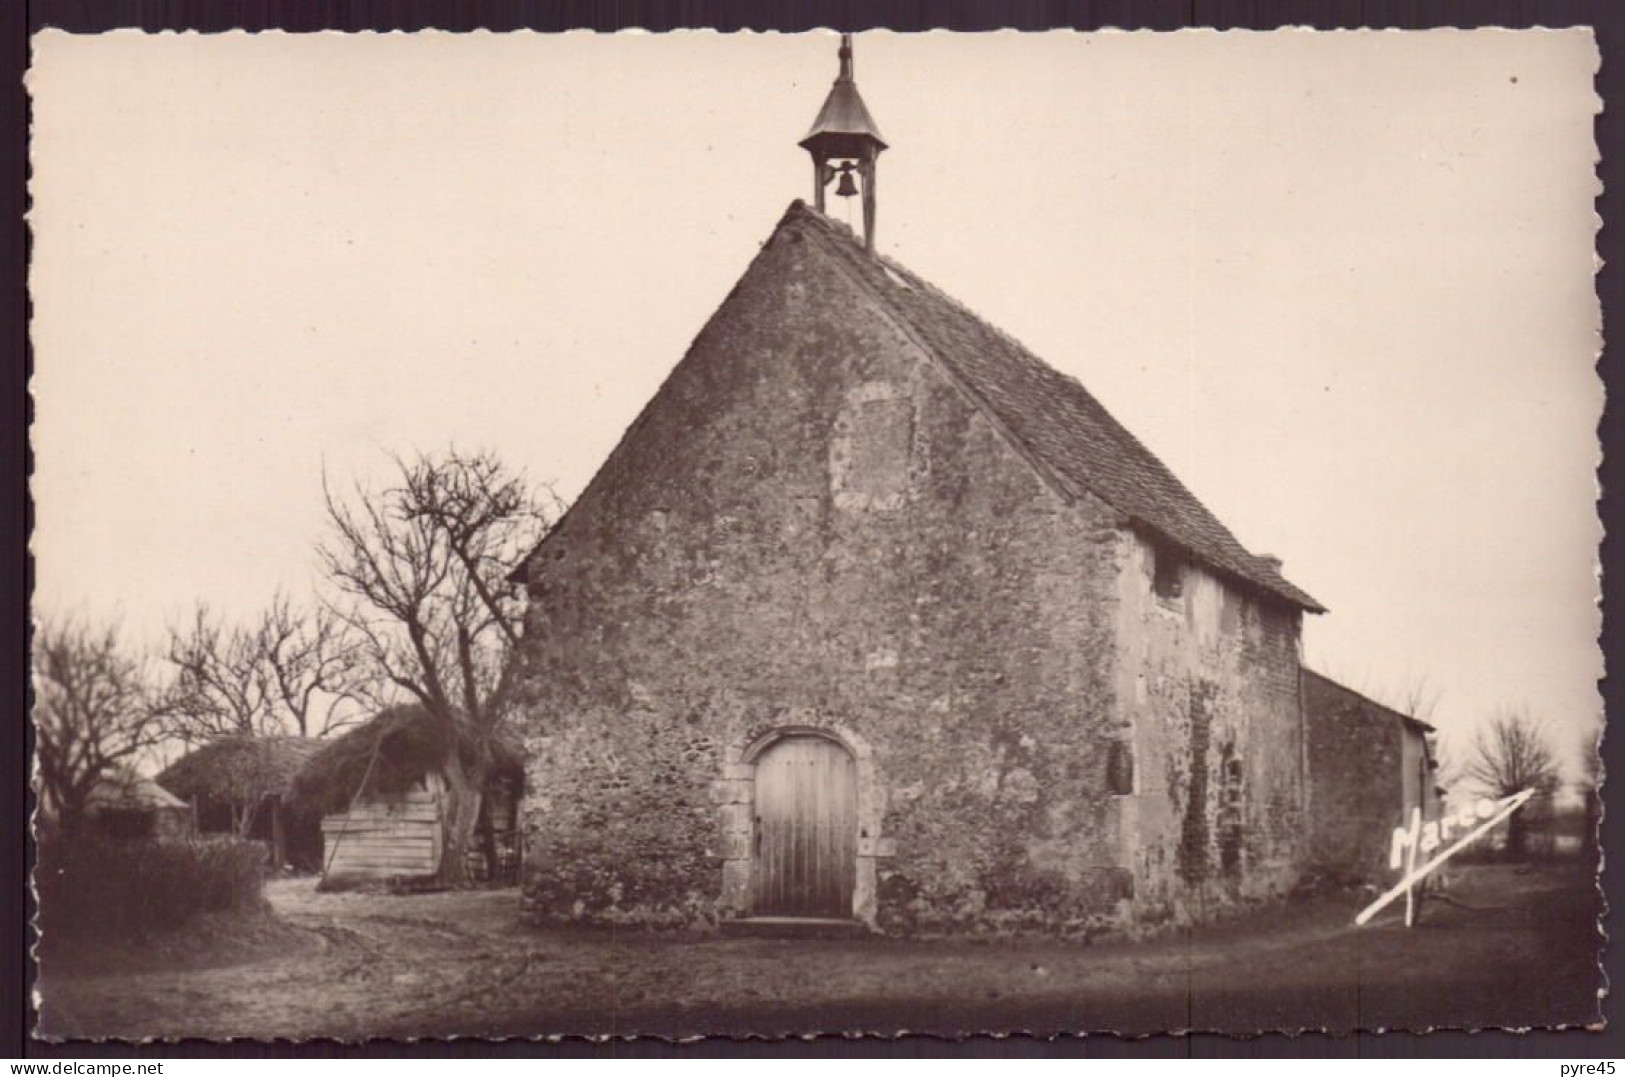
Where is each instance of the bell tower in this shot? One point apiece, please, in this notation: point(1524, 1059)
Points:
point(845, 144)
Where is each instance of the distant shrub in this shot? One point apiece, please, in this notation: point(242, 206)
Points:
point(93, 887)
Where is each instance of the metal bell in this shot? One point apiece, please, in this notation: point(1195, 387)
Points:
point(846, 188)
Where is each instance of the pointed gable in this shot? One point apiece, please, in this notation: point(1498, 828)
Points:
point(1054, 419)
point(1051, 419)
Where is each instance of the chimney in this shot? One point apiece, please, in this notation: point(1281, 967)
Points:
point(844, 142)
point(1269, 561)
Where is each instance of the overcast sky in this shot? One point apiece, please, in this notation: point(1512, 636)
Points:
point(1340, 283)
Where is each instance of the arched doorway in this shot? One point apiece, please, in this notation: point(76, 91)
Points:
point(806, 833)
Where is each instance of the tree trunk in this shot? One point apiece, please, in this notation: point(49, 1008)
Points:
point(245, 822)
point(279, 842)
point(488, 850)
point(1517, 828)
point(464, 785)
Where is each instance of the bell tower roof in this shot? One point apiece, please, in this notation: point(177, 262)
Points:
point(844, 127)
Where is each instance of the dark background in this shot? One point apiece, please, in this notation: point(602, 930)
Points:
point(19, 19)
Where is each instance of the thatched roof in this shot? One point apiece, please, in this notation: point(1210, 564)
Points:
point(409, 743)
point(239, 769)
point(123, 789)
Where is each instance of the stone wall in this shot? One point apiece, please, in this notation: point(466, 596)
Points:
point(1209, 677)
point(1367, 769)
point(811, 527)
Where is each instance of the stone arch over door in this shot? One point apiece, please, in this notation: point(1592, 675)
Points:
point(736, 795)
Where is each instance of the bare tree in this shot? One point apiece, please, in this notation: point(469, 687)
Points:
point(314, 668)
point(1418, 698)
point(92, 714)
point(293, 671)
point(216, 688)
point(1592, 776)
point(1509, 754)
point(422, 570)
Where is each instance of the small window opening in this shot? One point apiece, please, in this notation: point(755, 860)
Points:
point(1120, 768)
point(1167, 573)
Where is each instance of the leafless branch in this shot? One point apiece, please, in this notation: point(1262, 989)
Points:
point(278, 676)
point(420, 569)
point(1510, 753)
point(93, 713)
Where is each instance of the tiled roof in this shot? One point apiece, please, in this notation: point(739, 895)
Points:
point(1054, 419)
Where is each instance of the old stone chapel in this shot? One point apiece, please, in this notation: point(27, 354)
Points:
point(872, 617)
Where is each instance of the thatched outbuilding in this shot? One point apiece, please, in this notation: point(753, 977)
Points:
point(125, 805)
point(240, 785)
point(381, 792)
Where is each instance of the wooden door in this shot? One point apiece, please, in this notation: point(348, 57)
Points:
point(806, 829)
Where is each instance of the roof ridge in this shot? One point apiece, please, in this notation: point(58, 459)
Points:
point(918, 281)
point(1051, 415)
point(1047, 416)
point(1379, 704)
point(967, 309)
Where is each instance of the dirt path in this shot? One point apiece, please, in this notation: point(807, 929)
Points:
point(1516, 952)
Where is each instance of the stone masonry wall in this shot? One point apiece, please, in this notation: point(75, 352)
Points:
point(811, 527)
point(1362, 781)
point(1210, 677)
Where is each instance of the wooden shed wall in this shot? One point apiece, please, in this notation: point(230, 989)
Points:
point(381, 837)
